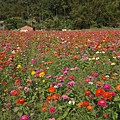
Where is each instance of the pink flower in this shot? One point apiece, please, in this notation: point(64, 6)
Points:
point(65, 97)
point(51, 118)
point(113, 94)
point(52, 110)
point(24, 117)
point(102, 103)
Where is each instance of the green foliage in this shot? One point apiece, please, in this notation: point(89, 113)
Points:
point(14, 23)
point(51, 14)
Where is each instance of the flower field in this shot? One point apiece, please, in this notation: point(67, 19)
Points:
point(60, 75)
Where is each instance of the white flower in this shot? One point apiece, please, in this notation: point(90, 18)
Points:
point(97, 52)
point(55, 86)
point(71, 102)
point(13, 52)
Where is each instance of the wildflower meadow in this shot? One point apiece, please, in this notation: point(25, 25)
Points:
point(60, 75)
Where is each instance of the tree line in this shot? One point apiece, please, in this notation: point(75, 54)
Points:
point(59, 14)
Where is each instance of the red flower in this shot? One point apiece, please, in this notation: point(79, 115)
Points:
point(99, 92)
point(87, 92)
point(107, 95)
point(85, 103)
point(20, 101)
point(52, 89)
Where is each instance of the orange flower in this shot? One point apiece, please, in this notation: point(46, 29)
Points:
point(80, 104)
point(104, 78)
point(99, 83)
point(89, 107)
point(20, 101)
point(55, 97)
point(118, 87)
point(44, 108)
point(107, 95)
point(30, 68)
point(51, 89)
point(99, 92)
point(49, 98)
point(6, 90)
point(87, 92)
point(76, 57)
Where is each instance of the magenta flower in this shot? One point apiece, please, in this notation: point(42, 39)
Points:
point(107, 87)
point(24, 117)
point(8, 105)
point(52, 110)
point(102, 103)
point(34, 61)
point(95, 74)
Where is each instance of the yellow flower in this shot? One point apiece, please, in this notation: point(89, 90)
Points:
point(43, 81)
point(19, 66)
point(112, 63)
point(33, 73)
point(42, 74)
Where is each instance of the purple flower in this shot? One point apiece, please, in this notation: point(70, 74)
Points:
point(84, 57)
point(59, 85)
point(107, 87)
point(54, 83)
point(65, 97)
point(71, 83)
point(24, 117)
